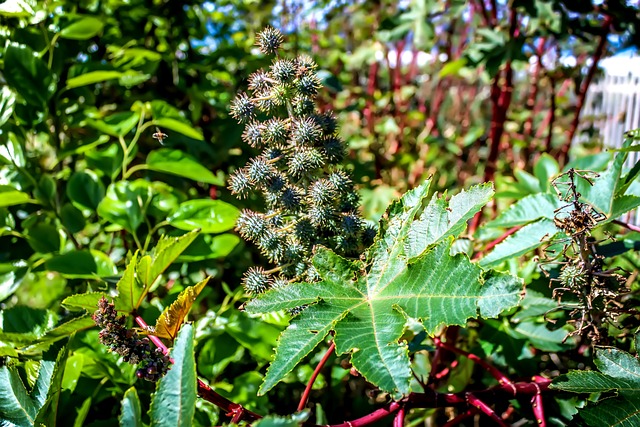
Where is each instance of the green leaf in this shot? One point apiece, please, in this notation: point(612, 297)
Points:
point(82, 28)
point(178, 126)
point(210, 216)
point(294, 420)
point(174, 402)
point(85, 190)
point(619, 373)
point(11, 275)
point(93, 77)
point(176, 162)
point(142, 272)
point(72, 218)
point(130, 413)
point(44, 238)
point(172, 317)
point(67, 328)
point(87, 301)
point(28, 75)
point(124, 203)
point(528, 209)
point(12, 197)
point(368, 311)
point(206, 246)
point(88, 264)
point(117, 124)
point(7, 101)
point(522, 241)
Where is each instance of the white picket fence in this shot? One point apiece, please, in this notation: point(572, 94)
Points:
point(612, 107)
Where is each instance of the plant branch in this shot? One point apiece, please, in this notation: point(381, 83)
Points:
point(485, 409)
point(234, 410)
point(316, 372)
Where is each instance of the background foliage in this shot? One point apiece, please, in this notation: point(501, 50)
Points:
point(486, 92)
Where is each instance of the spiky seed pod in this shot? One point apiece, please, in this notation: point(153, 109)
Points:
point(327, 121)
point(368, 235)
point(312, 274)
point(305, 132)
point(295, 252)
point(321, 193)
point(274, 218)
point(305, 63)
point(279, 282)
point(260, 171)
point(239, 183)
point(308, 85)
point(291, 199)
point(303, 106)
point(260, 81)
point(272, 245)
point(351, 225)
point(251, 225)
point(348, 245)
point(242, 108)
point(275, 183)
point(341, 181)
point(265, 101)
point(283, 71)
point(573, 276)
point(304, 232)
point(333, 149)
point(349, 201)
point(304, 161)
point(275, 156)
point(255, 281)
point(252, 134)
point(322, 217)
point(269, 40)
point(276, 132)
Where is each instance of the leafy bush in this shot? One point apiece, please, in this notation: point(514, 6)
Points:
point(111, 215)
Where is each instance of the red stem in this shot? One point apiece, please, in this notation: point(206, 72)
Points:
point(316, 372)
point(538, 408)
point(552, 115)
point(562, 156)
point(461, 417)
point(236, 411)
point(485, 409)
point(627, 225)
point(495, 372)
point(398, 420)
point(376, 415)
point(490, 245)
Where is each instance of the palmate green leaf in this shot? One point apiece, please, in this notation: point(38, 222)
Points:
point(174, 402)
point(528, 209)
point(619, 373)
point(410, 274)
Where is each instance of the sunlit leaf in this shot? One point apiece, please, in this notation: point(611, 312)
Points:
point(172, 317)
point(177, 162)
point(173, 403)
point(82, 28)
point(410, 274)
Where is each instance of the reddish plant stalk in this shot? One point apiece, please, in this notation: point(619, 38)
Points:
point(535, 84)
point(316, 372)
point(538, 408)
point(234, 410)
point(461, 417)
point(485, 409)
point(495, 372)
point(398, 420)
point(552, 116)
point(627, 225)
point(597, 55)
point(493, 243)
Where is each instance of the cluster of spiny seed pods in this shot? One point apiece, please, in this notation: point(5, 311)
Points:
point(309, 199)
point(126, 342)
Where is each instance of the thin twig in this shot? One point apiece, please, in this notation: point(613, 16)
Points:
point(485, 409)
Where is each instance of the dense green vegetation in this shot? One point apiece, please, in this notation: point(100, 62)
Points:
point(320, 213)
